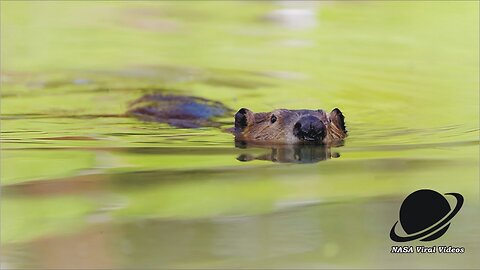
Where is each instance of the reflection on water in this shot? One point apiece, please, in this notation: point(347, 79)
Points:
point(308, 236)
point(84, 186)
point(296, 15)
point(239, 214)
point(300, 153)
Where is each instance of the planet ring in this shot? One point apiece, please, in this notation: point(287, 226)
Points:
point(398, 238)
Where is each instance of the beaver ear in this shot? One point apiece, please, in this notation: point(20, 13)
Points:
point(241, 120)
point(338, 119)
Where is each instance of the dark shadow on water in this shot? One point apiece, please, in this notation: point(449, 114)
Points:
point(300, 153)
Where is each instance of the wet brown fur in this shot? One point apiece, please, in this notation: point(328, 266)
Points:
point(260, 129)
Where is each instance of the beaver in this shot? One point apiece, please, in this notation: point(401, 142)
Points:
point(280, 126)
point(285, 126)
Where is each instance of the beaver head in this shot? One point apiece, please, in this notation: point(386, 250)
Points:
point(290, 126)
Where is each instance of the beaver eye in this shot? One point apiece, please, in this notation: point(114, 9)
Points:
point(273, 119)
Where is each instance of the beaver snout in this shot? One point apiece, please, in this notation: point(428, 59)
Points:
point(309, 128)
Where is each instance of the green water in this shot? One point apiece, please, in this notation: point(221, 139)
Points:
point(85, 187)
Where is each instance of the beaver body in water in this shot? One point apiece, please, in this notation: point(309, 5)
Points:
point(280, 126)
point(178, 111)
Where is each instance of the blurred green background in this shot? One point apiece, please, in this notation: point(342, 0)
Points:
point(85, 187)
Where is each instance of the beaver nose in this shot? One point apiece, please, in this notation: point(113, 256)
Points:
point(309, 128)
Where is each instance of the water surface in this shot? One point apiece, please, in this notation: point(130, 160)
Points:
point(84, 186)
